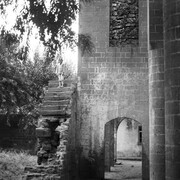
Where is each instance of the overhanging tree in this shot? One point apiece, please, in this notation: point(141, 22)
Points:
point(53, 20)
point(22, 81)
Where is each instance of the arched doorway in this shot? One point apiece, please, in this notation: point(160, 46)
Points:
point(123, 149)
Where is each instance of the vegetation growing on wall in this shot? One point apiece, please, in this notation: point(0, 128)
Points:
point(85, 44)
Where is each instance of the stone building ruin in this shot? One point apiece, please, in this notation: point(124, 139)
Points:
point(139, 81)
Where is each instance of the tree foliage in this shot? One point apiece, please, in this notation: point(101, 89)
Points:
point(21, 82)
point(53, 19)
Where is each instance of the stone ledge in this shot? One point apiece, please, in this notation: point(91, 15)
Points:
point(54, 107)
point(39, 176)
point(51, 169)
point(50, 119)
point(59, 113)
point(63, 89)
point(56, 103)
point(43, 132)
point(57, 98)
point(67, 83)
point(33, 176)
point(61, 93)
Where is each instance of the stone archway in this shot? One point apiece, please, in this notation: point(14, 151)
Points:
point(110, 132)
point(129, 140)
point(111, 141)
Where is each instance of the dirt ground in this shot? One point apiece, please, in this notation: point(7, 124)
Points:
point(125, 170)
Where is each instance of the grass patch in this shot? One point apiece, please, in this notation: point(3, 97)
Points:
point(12, 164)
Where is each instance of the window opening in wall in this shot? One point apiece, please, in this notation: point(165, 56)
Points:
point(139, 135)
point(124, 24)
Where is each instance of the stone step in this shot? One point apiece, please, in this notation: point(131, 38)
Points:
point(59, 113)
point(53, 107)
point(31, 176)
point(57, 98)
point(56, 103)
point(50, 169)
point(55, 83)
point(41, 176)
point(63, 89)
point(51, 93)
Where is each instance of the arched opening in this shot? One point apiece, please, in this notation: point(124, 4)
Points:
point(123, 149)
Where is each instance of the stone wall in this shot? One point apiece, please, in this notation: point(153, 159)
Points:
point(56, 133)
point(113, 81)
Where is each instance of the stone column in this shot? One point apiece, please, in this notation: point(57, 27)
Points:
point(172, 87)
point(156, 91)
point(107, 146)
point(156, 112)
point(115, 141)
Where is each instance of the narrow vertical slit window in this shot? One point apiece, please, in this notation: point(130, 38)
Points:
point(139, 135)
point(124, 26)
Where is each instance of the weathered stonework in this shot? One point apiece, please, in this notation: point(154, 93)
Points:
point(140, 83)
point(114, 83)
point(53, 133)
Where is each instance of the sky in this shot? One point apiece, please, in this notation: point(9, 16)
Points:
point(70, 56)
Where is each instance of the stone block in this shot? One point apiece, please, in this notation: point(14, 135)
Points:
point(49, 169)
point(43, 123)
point(31, 176)
point(46, 147)
point(42, 153)
point(54, 143)
point(43, 132)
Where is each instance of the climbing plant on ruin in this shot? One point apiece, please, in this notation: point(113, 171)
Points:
point(85, 44)
point(123, 22)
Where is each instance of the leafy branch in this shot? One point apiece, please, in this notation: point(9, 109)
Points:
point(85, 44)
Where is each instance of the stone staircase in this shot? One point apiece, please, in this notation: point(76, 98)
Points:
point(52, 133)
point(56, 101)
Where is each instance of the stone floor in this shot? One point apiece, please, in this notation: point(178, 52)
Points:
point(125, 170)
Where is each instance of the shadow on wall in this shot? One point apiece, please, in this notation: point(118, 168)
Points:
point(90, 166)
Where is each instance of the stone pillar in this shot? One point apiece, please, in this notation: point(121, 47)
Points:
point(109, 145)
point(115, 140)
point(156, 112)
point(172, 87)
point(156, 91)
